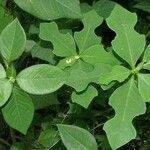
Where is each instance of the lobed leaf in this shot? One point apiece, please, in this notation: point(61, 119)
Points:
point(84, 98)
point(87, 37)
point(128, 44)
point(64, 44)
point(120, 130)
point(96, 54)
point(79, 78)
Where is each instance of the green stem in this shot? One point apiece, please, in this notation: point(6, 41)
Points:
point(138, 68)
point(12, 135)
point(4, 142)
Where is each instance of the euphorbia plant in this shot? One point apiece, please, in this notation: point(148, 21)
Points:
point(38, 79)
point(129, 99)
point(82, 62)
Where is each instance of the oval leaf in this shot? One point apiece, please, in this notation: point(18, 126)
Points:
point(19, 111)
point(12, 41)
point(118, 73)
point(75, 138)
point(51, 9)
point(41, 79)
point(5, 91)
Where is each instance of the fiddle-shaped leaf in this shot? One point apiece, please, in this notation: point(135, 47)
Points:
point(87, 37)
point(79, 78)
point(120, 129)
point(84, 98)
point(128, 44)
point(97, 54)
point(64, 44)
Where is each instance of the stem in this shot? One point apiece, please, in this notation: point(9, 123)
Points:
point(4, 142)
point(138, 68)
point(98, 126)
point(12, 135)
point(103, 113)
point(6, 64)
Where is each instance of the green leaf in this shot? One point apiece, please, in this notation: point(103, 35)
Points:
point(120, 130)
point(19, 111)
point(5, 91)
point(146, 58)
point(12, 41)
point(51, 9)
point(42, 101)
point(42, 53)
point(143, 5)
point(84, 98)
point(41, 79)
point(48, 138)
point(11, 72)
point(29, 45)
point(118, 73)
point(5, 19)
point(2, 3)
point(75, 138)
point(67, 62)
point(147, 54)
point(144, 86)
point(64, 44)
point(87, 37)
point(18, 146)
point(104, 7)
point(2, 72)
point(85, 7)
point(77, 75)
point(128, 44)
point(97, 54)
